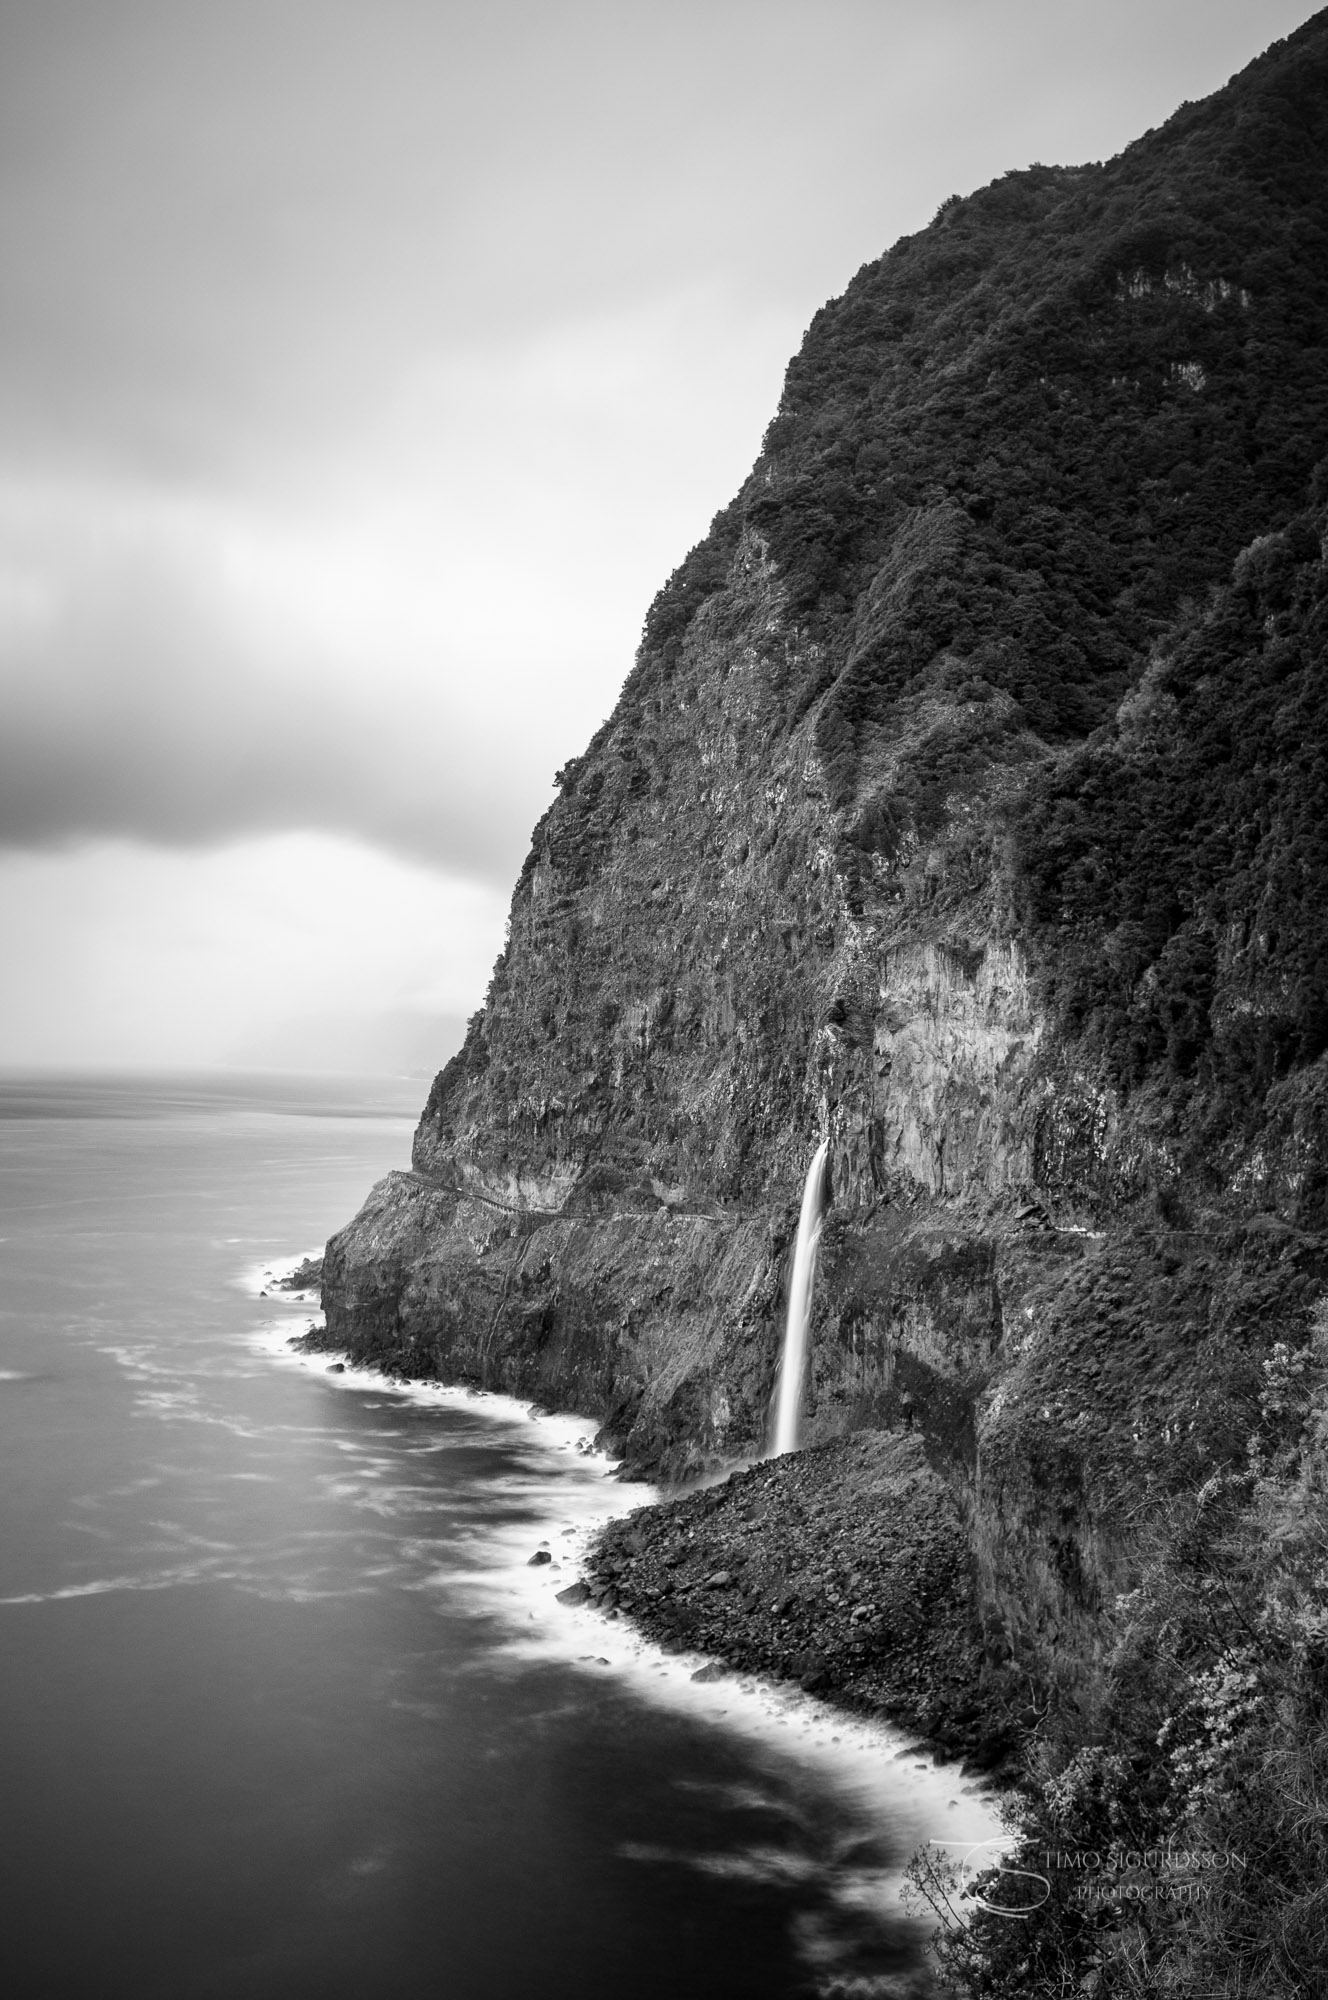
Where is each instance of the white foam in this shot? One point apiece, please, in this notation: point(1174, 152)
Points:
point(99, 1586)
point(915, 1801)
point(559, 1432)
point(919, 1800)
point(257, 1279)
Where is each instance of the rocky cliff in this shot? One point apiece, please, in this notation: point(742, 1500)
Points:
point(893, 836)
point(964, 807)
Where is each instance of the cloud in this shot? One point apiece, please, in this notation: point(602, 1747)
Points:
point(363, 373)
point(297, 949)
point(150, 687)
point(406, 639)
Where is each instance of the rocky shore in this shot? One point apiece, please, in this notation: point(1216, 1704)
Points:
point(845, 1567)
point(306, 1277)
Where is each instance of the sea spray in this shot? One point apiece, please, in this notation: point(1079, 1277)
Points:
point(793, 1362)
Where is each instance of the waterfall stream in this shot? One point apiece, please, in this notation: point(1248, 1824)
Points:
point(793, 1362)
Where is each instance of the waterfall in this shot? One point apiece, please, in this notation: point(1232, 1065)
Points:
point(793, 1361)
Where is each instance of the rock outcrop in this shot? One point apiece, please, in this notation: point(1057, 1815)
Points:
point(845, 1568)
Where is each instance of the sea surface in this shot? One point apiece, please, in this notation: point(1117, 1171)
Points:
point(285, 1710)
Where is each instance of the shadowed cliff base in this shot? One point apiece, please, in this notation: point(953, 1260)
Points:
point(965, 805)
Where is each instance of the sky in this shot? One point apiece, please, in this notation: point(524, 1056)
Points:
point(365, 368)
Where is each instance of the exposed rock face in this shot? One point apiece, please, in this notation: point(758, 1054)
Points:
point(954, 1053)
point(881, 844)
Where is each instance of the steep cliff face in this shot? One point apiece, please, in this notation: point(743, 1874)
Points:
point(963, 807)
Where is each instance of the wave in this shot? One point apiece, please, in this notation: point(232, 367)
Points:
point(564, 1493)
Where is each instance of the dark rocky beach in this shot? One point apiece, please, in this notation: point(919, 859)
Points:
point(845, 1568)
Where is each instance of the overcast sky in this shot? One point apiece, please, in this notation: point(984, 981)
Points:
point(365, 367)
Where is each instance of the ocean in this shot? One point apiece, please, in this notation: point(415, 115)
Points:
point(285, 1710)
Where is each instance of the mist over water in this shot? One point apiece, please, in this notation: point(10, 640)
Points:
point(286, 1711)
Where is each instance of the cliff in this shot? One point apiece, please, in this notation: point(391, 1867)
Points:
point(964, 807)
point(947, 812)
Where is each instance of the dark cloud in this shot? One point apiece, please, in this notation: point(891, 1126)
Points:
point(135, 707)
point(237, 245)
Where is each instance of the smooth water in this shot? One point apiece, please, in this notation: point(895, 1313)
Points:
point(793, 1360)
point(285, 1711)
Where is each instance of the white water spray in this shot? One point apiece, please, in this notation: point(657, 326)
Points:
point(793, 1362)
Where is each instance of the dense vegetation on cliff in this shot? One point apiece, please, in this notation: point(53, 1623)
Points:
point(965, 807)
point(1174, 870)
point(1018, 458)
